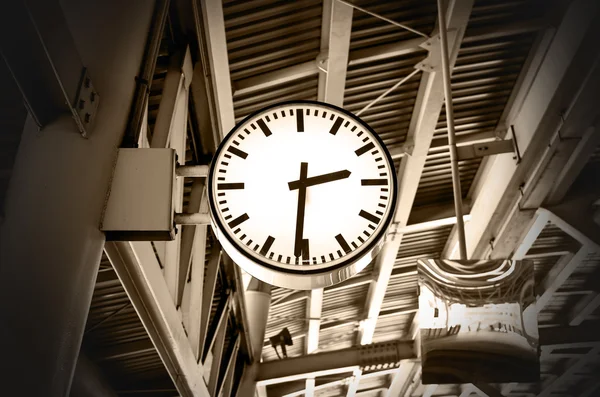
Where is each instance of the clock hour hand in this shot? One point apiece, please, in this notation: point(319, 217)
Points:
point(320, 179)
point(301, 209)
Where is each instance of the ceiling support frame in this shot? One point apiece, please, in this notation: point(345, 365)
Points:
point(219, 348)
point(347, 360)
point(213, 22)
point(191, 235)
point(424, 119)
point(138, 269)
point(196, 307)
point(584, 308)
point(400, 381)
point(538, 117)
point(571, 370)
point(370, 54)
point(170, 130)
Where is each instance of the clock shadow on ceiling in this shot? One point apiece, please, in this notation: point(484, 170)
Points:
point(301, 194)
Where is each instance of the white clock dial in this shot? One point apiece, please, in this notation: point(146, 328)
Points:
point(300, 191)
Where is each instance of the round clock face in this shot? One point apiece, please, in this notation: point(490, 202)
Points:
point(301, 194)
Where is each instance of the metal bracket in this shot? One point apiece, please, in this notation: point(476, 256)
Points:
point(392, 232)
point(408, 146)
point(514, 137)
point(433, 62)
point(86, 105)
point(322, 62)
point(484, 149)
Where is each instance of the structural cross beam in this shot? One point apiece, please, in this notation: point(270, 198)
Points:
point(552, 102)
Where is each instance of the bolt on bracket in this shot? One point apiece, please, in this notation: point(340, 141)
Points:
point(86, 105)
point(484, 149)
point(322, 62)
point(433, 62)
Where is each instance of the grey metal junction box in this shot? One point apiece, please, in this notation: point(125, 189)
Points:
point(140, 203)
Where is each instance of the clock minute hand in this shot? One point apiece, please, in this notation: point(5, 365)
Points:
point(301, 210)
point(320, 179)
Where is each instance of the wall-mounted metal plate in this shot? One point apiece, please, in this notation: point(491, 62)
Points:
point(86, 105)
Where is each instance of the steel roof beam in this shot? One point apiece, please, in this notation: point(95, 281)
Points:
point(434, 212)
point(558, 275)
point(124, 350)
point(578, 224)
point(486, 390)
point(564, 337)
point(386, 51)
point(336, 28)
point(401, 379)
point(371, 54)
point(510, 29)
point(590, 388)
point(335, 48)
point(195, 305)
point(155, 296)
point(550, 83)
point(213, 23)
point(467, 390)
point(571, 370)
point(138, 269)
point(275, 78)
point(331, 362)
point(566, 265)
point(422, 126)
point(376, 391)
point(347, 360)
point(579, 158)
point(584, 308)
point(49, 73)
point(429, 390)
point(170, 130)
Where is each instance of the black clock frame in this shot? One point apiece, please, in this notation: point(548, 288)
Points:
point(304, 270)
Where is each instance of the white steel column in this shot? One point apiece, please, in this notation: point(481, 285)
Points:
point(50, 237)
point(170, 130)
point(336, 27)
point(214, 25)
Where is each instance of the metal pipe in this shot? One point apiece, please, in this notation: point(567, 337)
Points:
point(374, 101)
point(384, 18)
point(192, 219)
point(144, 79)
point(460, 226)
point(192, 171)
